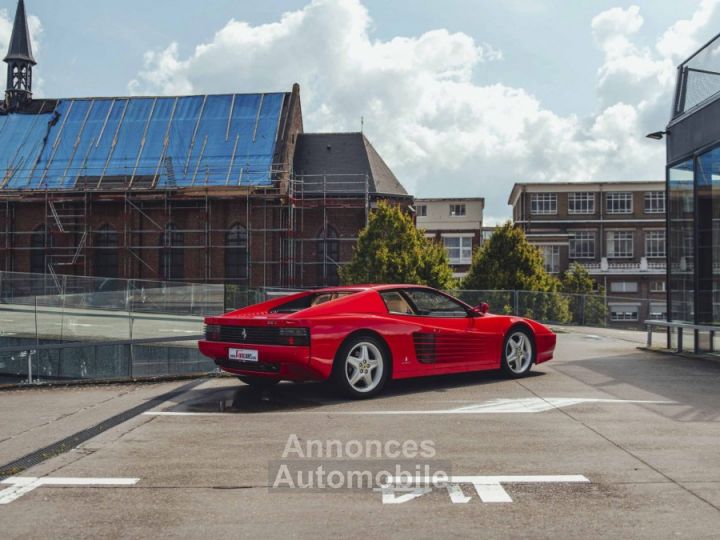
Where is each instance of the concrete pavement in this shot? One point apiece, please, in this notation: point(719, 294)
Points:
point(642, 428)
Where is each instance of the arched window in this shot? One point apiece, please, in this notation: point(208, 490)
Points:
point(39, 242)
point(172, 256)
point(236, 254)
point(328, 250)
point(105, 254)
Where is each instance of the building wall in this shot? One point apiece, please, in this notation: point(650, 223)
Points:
point(439, 223)
point(285, 246)
point(635, 278)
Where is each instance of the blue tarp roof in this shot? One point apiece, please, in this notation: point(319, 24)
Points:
point(141, 142)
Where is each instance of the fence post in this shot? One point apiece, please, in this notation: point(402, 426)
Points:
point(517, 303)
point(37, 329)
point(582, 309)
point(29, 355)
point(131, 359)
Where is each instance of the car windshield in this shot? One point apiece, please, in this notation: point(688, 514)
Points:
point(310, 300)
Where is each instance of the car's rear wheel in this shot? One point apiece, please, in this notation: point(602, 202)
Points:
point(518, 352)
point(362, 367)
point(258, 382)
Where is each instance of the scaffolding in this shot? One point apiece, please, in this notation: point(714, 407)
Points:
point(295, 233)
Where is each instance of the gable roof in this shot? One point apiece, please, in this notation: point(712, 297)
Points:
point(142, 142)
point(343, 163)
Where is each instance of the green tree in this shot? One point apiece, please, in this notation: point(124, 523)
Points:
point(507, 261)
point(392, 250)
point(586, 305)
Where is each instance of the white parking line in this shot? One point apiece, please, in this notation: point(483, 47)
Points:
point(23, 485)
point(496, 406)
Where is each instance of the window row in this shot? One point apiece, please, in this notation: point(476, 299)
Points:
point(631, 312)
point(583, 203)
point(619, 244)
point(454, 210)
point(171, 253)
point(657, 286)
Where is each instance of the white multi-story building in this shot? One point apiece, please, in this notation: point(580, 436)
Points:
point(456, 223)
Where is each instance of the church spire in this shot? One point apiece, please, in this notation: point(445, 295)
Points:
point(20, 62)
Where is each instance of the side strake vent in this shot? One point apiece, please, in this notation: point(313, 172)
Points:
point(424, 347)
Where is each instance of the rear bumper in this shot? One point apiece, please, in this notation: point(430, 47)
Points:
point(275, 361)
point(545, 347)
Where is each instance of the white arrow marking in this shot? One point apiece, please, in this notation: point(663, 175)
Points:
point(456, 494)
point(23, 485)
point(488, 488)
point(389, 494)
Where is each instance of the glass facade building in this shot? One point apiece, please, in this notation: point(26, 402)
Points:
point(693, 198)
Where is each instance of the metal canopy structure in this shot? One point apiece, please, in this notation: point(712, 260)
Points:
point(142, 142)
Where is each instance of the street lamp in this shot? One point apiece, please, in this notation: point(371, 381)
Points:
point(657, 135)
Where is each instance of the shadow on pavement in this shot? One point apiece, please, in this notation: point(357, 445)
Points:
point(244, 399)
point(693, 383)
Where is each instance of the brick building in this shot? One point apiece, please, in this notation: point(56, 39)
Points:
point(217, 188)
point(615, 229)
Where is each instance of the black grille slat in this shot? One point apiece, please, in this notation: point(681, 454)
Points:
point(425, 347)
point(258, 335)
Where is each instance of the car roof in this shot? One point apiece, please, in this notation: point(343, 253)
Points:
point(369, 287)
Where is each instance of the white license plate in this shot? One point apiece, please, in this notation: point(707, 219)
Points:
point(243, 355)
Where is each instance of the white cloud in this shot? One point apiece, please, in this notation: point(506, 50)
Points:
point(6, 25)
point(443, 134)
point(686, 35)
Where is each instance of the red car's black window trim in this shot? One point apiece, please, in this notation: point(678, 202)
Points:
point(417, 312)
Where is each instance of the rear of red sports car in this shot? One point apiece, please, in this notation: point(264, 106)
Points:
point(274, 340)
point(266, 347)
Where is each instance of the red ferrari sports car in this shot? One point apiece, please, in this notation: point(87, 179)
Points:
point(360, 336)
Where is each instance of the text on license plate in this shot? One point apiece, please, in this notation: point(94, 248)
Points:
point(243, 355)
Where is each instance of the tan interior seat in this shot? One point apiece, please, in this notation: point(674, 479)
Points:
point(397, 304)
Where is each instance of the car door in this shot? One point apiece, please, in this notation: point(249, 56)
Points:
point(448, 334)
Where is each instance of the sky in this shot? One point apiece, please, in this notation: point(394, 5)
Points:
point(461, 97)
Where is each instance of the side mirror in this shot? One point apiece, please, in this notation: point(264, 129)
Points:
point(481, 309)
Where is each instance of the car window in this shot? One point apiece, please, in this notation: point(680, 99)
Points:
point(322, 298)
point(433, 304)
point(310, 300)
point(396, 303)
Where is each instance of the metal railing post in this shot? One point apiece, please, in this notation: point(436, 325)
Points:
point(680, 339)
point(131, 323)
point(37, 329)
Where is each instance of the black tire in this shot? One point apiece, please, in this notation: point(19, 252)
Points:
point(374, 357)
point(523, 344)
point(258, 382)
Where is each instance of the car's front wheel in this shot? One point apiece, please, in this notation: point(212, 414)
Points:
point(362, 367)
point(518, 353)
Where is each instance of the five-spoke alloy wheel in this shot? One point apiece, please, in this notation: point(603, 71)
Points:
point(362, 366)
point(518, 353)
